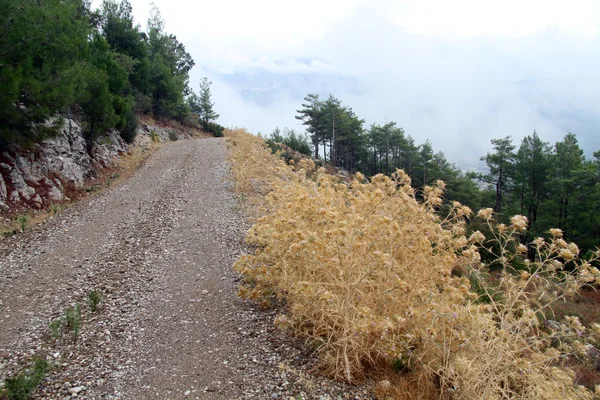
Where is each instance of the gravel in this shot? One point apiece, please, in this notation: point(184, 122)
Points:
point(159, 250)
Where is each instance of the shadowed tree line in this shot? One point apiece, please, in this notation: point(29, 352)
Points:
point(555, 186)
point(60, 58)
point(338, 136)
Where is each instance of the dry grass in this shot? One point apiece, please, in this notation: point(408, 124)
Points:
point(375, 280)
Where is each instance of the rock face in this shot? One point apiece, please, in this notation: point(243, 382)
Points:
point(35, 178)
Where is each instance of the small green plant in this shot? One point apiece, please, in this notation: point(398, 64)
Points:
point(9, 234)
point(73, 319)
point(56, 327)
point(22, 385)
point(93, 300)
point(154, 136)
point(173, 136)
point(23, 219)
point(55, 209)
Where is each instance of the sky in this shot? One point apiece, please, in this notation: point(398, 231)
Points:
point(457, 73)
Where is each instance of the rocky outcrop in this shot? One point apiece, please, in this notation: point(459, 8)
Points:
point(37, 177)
point(3, 194)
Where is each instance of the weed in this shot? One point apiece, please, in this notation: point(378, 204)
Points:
point(9, 233)
point(55, 208)
point(73, 319)
point(173, 136)
point(56, 327)
point(22, 385)
point(154, 136)
point(93, 300)
point(22, 220)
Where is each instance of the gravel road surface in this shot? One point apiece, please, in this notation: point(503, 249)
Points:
point(158, 249)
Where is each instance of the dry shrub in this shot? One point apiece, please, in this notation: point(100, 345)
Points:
point(371, 276)
point(254, 169)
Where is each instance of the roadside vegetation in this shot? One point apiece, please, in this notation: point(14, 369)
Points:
point(424, 297)
point(553, 184)
point(61, 59)
point(23, 384)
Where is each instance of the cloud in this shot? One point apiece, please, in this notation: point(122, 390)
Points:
point(458, 73)
point(459, 93)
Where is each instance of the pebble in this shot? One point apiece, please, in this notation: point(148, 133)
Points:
point(75, 390)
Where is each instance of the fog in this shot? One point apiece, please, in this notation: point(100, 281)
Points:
point(458, 76)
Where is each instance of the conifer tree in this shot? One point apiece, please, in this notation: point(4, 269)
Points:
point(207, 113)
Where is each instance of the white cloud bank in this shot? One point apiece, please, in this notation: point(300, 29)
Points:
point(458, 73)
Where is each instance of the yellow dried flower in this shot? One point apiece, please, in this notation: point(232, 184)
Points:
point(465, 210)
point(555, 232)
point(566, 254)
point(368, 267)
point(560, 243)
point(573, 248)
point(485, 213)
point(538, 241)
point(519, 222)
point(476, 237)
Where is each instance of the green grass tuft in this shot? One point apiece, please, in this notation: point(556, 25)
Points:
point(93, 300)
point(22, 385)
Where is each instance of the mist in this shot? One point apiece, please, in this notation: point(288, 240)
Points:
point(458, 91)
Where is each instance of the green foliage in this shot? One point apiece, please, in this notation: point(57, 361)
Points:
point(56, 327)
point(554, 186)
point(168, 70)
point(22, 385)
point(214, 128)
point(291, 139)
point(173, 136)
point(23, 219)
point(58, 56)
point(55, 209)
point(337, 134)
point(95, 100)
point(73, 320)
point(337, 128)
point(501, 166)
point(154, 136)
point(205, 105)
point(93, 300)
point(42, 45)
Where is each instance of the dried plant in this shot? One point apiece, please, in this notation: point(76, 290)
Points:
point(372, 276)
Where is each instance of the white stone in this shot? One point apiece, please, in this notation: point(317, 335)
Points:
point(75, 390)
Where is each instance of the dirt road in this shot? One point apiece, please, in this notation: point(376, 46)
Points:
point(159, 250)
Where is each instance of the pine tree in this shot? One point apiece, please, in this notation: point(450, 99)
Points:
point(311, 117)
point(501, 165)
point(207, 113)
